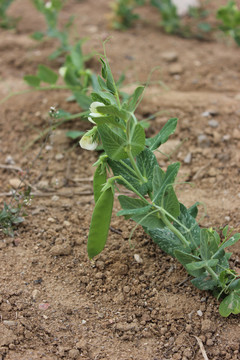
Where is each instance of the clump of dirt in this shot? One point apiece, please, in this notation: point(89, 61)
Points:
point(132, 302)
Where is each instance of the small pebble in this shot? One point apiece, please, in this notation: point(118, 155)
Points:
point(51, 220)
point(213, 123)
point(203, 140)
point(226, 137)
point(73, 354)
point(9, 323)
point(84, 322)
point(61, 250)
point(227, 218)
point(169, 56)
point(59, 156)
point(175, 69)
point(43, 306)
point(48, 147)
point(35, 294)
point(200, 313)
point(9, 160)
point(15, 183)
point(138, 258)
point(188, 158)
point(55, 198)
point(66, 223)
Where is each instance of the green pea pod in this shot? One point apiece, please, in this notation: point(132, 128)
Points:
point(100, 223)
point(99, 179)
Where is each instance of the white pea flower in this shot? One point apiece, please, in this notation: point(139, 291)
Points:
point(48, 5)
point(93, 111)
point(62, 71)
point(89, 141)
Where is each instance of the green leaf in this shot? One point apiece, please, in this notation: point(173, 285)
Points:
point(47, 75)
point(170, 203)
point(193, 210)
point(140, 212)
point(233, 239)
point(116, 145)
point(138, 140)
point(189, 222)
point(208, 244)
point(113, 143)
point(38, 35)
point(100, 98)
point(83, 100)
point(74, 134)
point(167, 241)
point(107, 75)
point(204, 282)
point(99, 179)
point(132, 102)
point(231, 304)
point(201, 264)
point(185, 258)
point(106, 120)
point(32, 80)
point(163, 135)
point(77, 56)
point(112, 110)
point(168, 180)
point(100, 223)
point(146, 161)
point(158, 177)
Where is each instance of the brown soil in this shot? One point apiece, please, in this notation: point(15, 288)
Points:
point(54, 302)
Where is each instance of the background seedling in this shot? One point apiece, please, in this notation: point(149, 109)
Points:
point(50, 11)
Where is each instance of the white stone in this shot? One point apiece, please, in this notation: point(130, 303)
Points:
point(184, 5)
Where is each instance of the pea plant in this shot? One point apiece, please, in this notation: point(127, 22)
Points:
point(124, 13)
point(230, 20)
point(128, 160)
point(50, 11)
point(6, 21)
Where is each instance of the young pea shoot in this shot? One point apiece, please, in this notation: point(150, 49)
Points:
point(129, 160)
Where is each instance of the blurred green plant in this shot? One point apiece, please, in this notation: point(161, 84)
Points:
point(50, 11)
point(6, 22)
point(230, 20)
point(124, 15)
point(11, 216)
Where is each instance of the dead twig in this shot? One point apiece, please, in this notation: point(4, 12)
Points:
point(200, 343)
point(10, 167)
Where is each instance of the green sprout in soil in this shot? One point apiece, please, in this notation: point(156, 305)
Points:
point(129, 160)
point(124, 15)
point(50, 11)
point(6, 22)
point(230, 20)
point(11, 216)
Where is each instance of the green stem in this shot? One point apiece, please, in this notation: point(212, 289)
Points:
point(174, 230)
point(211, 272)
point(43, 88)
point(132, 188)
point(128, 167)
point(135, 167)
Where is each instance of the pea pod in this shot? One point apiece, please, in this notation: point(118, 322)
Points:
point(100, 223)
point(99, 179)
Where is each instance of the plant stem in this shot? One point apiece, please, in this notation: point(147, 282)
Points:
point(43, 88)
point(135, 167)
point(211, 272)
point(173, 229)
point(132, 188)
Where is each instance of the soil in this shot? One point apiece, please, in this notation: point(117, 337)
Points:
point(54, 302)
